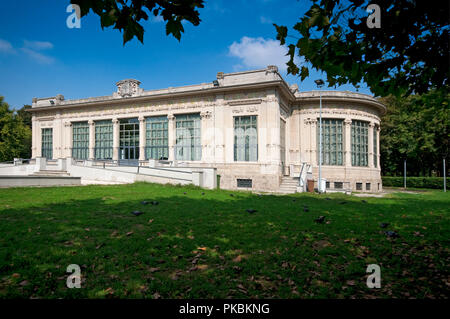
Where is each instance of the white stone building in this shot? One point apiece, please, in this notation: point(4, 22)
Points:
point(258, 131)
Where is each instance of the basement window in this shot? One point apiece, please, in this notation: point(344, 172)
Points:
point(338, 185)
point(244, 183)
point(359, 186)
point(367, 186)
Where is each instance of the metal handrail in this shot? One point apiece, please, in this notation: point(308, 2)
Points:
point(146, 167)
point(300, 176)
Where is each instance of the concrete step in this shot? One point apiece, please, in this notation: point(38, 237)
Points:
point(288, 185)
point(286, 191)
point(50, 173)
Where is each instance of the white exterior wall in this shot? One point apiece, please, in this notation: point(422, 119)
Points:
point(261, 93)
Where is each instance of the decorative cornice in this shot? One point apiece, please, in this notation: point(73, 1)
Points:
point(244, 102)
point(42, 119)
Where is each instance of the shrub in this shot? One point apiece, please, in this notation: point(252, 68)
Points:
point(415, 182)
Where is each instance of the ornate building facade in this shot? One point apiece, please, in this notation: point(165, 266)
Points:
point(252, 126)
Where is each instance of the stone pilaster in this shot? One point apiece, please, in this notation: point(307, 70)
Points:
point(142, 138)
point(219, 132)
point(68, 139)
point(116, 138)
point(91, 139)
point(348, 142)
point(370, 144)
point(377, 131)
point(273, 129)
point(206, 138)
point(314, 142)
point(34, 134)
point(57, 136)
point(171, 136)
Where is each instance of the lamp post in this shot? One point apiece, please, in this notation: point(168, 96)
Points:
point(319, 84)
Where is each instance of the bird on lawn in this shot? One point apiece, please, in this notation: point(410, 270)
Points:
point(320, 219)
point(251, 211)
point(137, 213)
point(392, 234)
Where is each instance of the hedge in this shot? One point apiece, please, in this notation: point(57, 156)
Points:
point(415, 182)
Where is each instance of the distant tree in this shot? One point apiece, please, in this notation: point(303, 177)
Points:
point(125, 15)
point(416, 129)
point(408, 54)
point(15, 134)
point(24, 115)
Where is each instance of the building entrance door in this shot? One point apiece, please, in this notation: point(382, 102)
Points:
point(129, 142)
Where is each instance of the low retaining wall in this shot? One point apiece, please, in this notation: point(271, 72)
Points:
point(199, 176)
point(23, 181)
point(12, 170)
point(203, 177)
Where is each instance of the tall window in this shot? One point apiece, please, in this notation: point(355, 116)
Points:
point(157, 137)
point(47, 143)
point(332, 142)
point(103, 140)
point(245, 138)
point(129, 139)
point(188, 145)
point(360, 139)
point(80, 138)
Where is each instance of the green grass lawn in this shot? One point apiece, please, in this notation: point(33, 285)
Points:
point(198, 245)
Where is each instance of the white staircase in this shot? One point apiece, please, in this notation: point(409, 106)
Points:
point(53, 173)
point(288, 185)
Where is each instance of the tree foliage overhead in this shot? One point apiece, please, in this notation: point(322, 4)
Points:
point(416, 128)
point(408, 54)
point(125, 15)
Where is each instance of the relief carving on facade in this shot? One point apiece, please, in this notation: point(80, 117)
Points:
point(205, 114)
point(129, 87)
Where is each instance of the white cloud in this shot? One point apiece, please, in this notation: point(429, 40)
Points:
point(38, 57)
point(6, 47)
point(265, 20)
point(259, 53)
point(37, 45)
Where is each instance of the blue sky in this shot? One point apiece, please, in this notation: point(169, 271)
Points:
point(41, 57)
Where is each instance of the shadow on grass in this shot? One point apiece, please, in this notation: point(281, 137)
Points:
point(204, 244)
